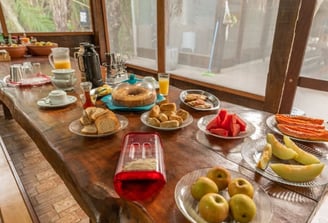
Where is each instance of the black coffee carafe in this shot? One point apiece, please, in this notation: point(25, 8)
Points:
point(91, 62)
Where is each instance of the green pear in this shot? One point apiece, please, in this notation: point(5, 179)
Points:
point(265, 157)
point(203, 185)
point(279, 150)
point(213, 208)
point(302, 157)
point(297, 173)
point(242, 208)
point(220, 175)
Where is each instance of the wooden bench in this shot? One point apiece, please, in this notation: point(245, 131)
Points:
point(14, 202)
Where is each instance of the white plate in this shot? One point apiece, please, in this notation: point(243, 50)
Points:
point(45, 102)
point(76, 126)
point(144, 118)
point(33, 81)
point(189, 206)
point(202, 123)
point(211, 99)
point(251, 153)
point(272, 124)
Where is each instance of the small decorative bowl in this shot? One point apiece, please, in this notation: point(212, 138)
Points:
point(16, 51)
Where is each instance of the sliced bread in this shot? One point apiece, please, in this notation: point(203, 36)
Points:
point(107, 122)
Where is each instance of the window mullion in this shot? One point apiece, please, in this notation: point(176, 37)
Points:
point(162, 25)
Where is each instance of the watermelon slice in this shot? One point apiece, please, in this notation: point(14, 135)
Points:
point(242, 123)
point(226, 122)
point(219, 131)
point(212, 124)
point(222, 114)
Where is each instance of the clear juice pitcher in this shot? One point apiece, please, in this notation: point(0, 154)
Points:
point(59, 58)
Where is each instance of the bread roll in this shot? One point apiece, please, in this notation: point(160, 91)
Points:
point(168, 107)
point(107, 122)
point(176, 117)
point(170, 124)
point(163, 117)
point(153, 121)
point(168, 113)
point(183, 114)
point(154, 112)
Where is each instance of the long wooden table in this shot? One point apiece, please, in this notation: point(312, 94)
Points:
point(87, 165)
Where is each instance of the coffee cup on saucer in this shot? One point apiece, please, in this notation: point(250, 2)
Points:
point(57, 97)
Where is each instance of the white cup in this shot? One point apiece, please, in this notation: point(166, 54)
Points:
point(57, 97)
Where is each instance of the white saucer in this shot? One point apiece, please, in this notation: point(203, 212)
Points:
point(44, 102)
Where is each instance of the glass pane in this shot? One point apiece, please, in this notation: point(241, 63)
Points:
point(132, 30)
point(315, 63)
point(311, 103)
point(23, 16)
point(221, 41)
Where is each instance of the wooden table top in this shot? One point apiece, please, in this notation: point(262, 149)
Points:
point(87, 165)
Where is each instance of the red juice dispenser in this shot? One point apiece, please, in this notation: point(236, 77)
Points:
point(140, 172)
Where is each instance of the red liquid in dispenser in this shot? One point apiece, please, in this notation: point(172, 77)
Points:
point(86, 88)
point(140, 172)
point(138, 185)
point(88, 101)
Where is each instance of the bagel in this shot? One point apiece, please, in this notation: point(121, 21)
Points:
point(133, 96)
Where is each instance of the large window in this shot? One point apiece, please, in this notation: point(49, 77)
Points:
point(315, 65)
point(223, 42)
point(132, 29)
point(216, 41)
point(24, 16)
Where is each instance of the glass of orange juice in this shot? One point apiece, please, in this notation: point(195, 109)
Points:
point(164, 83)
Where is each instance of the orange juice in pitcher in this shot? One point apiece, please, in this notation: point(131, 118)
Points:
point(62, 64)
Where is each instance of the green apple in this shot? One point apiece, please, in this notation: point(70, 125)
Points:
point(242, 208)
point(213, 208)
point(220, 175)
point(240, 185)
point(203, 185)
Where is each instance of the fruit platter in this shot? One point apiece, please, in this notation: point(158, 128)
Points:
point(286, 161)
point(41, 48)
point(302, 128)
point(225, 125)
point(14, 50)
point(224, 191)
